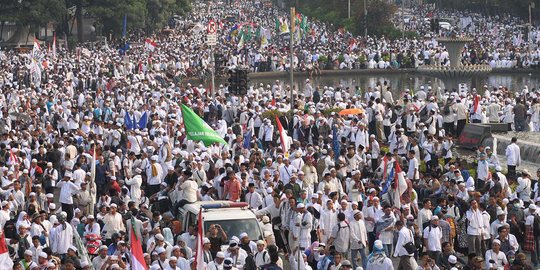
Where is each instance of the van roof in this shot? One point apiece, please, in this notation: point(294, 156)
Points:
point(225, 213)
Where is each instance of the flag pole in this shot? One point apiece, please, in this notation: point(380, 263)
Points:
point(291, 41)
point(93, 179)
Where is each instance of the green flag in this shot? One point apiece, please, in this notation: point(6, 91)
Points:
point(247, 36)
point(278, 25)
point(258, 33)
point(197, 129)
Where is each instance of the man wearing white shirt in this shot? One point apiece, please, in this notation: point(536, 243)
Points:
point(412, 171)
point(375, 151)
point(475, 228)
point(432, 238)
point(217, 263)
point(406, 259)
point(135, 186)
point(91, 227)
point(358, 239)
point(513, 156)
point(523, 189)
point(67, 190)
point(61, 235)
point(253, 198)
point(496, 255)
point(155, 173)
point(499, 222)
point(286, 171)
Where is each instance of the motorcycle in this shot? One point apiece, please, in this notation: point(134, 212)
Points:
point(93, 242)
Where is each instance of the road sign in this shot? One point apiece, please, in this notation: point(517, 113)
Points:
point(211, 39)
point(212, 27)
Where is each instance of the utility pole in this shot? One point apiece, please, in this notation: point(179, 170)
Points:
point(365, 19)
point(349, 9)
point(291, 41)
point(531, 6)
point(212, 72)
point(402, 19)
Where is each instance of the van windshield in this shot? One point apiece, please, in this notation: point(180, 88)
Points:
point(234, 227)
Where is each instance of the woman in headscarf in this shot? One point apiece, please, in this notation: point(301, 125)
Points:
point(314, 254)
point(378, 259)
point(23, 220)
point(168, 235)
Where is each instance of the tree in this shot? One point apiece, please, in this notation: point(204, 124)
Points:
point(159, 11)
point(110, 14)
point(32, 13)
point(336, 11)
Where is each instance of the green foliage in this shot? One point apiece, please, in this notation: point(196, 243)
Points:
point(111, 14)
point(336, 12)
point(33, 13)
point(341, 58)
point(141, 14)
point(159, 11)
point(329, 111)
point(271, 114)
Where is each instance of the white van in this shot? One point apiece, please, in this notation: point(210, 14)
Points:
point(234, 218)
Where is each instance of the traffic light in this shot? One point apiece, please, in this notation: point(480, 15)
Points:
point(242, 81)
point(434, 25)
point(233, 82)
point(218, 61)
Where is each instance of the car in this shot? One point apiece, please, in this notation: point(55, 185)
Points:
point(235, 218)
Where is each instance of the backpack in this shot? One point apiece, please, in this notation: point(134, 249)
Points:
point(250, 262)
point(536, 225)
point(394, 116)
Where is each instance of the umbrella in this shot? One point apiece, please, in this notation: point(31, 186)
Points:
point(351, 111)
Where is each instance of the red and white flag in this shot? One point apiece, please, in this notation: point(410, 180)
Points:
point(13, 159)
point(352, 44)
point(5, 261)
point(199, 258)
point(476, 102)
point(283, 137)
point(54, 46)
point(400, 185)
point(137, 258)
point(150, 45)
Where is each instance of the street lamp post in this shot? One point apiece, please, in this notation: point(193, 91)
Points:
point(531, 6)
point(402, 19)
point(365, 19)
point(349, 13)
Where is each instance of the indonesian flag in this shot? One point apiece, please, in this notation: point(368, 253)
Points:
point(13, 159)
point(400, 185)
point(273, 103)
point(283, 137)
point(150, 45)
point(5, 261)
point(54, 46)
point(476, 101)
point(352, 44)
point(137, 258)
point(199, 259)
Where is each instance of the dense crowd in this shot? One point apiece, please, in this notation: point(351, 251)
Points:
point(500, 41)
point(93, 145)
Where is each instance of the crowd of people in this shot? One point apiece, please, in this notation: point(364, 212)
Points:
point(92, 144)
point(500, 41)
